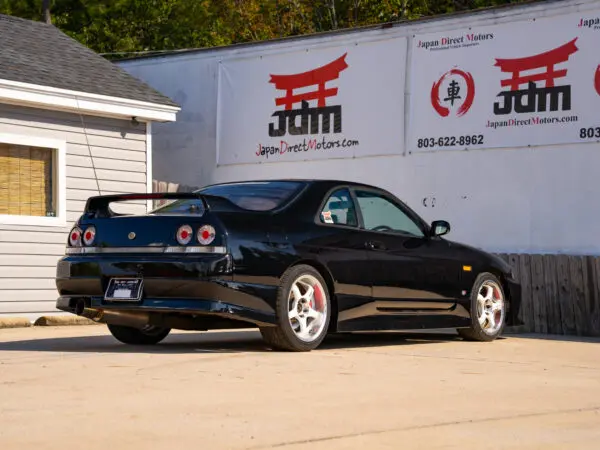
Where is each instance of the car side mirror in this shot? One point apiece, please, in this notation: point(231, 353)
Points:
point(439, 228)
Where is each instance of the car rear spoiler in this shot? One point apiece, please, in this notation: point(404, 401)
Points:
point(98, 206)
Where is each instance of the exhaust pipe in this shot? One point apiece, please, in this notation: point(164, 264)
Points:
point(79, 306)
point(124, 318)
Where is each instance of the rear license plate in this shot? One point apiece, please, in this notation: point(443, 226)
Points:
point(124, 290)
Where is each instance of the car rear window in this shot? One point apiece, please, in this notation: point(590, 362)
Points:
point(253, 196)
point(256, 196)
point(180, 207)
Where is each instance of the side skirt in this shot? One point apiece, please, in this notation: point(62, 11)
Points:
point(402, 322)
point(386, 315)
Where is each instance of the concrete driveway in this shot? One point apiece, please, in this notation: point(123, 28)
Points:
point(76, 387)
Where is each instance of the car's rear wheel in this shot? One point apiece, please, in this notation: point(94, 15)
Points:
point(149, 335)
point(303, 311)
point(488, 310)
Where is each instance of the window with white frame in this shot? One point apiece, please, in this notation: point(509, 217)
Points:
point(32, 181)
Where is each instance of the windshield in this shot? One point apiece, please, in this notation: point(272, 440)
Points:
point(253, 196)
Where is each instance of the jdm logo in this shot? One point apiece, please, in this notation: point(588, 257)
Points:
point(536, 68)
point(309, 116)
point(459, 89)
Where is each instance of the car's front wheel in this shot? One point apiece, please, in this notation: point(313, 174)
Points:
point(488, 310)
point(133, 336)
point(303, 311)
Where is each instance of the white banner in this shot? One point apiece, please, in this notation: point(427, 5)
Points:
point(327, 102)
point(535, 82)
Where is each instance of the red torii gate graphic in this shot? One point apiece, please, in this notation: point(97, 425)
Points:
point(545, 60)
point(318, 76)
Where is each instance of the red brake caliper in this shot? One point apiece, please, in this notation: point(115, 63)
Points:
point(496, 294)
point(318, 298)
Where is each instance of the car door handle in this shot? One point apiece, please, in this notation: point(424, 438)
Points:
point(375, 245)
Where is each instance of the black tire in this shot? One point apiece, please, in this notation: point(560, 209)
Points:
point(475, 332)
point(282, 336)
point(135, 336)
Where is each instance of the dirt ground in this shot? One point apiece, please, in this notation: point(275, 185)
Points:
point(76, 387)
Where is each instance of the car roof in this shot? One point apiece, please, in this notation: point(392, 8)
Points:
point(313, 181)
point(320, 186)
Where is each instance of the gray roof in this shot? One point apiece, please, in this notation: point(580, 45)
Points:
point(39, 53)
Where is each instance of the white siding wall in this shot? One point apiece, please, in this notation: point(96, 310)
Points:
point(28, 254)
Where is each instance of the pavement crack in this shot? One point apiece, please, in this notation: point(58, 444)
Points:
point(427, 426)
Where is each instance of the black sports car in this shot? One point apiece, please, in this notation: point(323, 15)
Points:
point(295, 258)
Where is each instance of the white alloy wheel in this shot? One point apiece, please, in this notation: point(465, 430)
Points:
point(302, 311)
point(490, 307)
point(307, 308)
point(488, 310)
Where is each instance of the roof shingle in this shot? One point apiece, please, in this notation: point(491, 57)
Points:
point(39, 53)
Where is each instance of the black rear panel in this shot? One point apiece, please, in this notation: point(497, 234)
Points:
point(150, 231)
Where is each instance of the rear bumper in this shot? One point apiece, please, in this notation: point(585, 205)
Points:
point(189, 307)
point(176, 284)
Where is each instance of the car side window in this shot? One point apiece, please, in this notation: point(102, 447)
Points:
point(380, 214)
point(339, 209)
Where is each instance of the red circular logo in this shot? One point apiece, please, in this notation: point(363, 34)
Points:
point(597, 80)
point(460, 90)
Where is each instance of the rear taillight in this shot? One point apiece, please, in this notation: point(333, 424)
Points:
point(184, 234)
point(89, 235)
point(206, 234)
point(75, 237)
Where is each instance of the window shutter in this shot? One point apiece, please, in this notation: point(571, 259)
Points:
point(26, 186)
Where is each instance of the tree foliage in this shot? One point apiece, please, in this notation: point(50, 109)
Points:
point(128, 26)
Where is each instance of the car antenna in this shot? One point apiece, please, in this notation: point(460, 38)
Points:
point(88, 145)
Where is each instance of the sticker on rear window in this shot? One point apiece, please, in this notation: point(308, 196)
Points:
point(327, 217)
